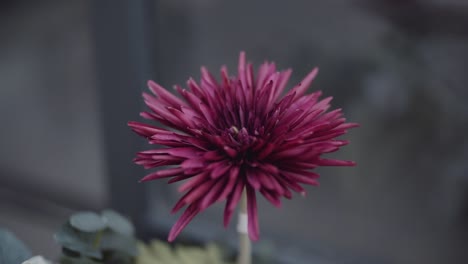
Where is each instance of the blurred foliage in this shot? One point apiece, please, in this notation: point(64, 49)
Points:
point(159, 252)
point(108, 238)
point(12, 250)
point(88, 237)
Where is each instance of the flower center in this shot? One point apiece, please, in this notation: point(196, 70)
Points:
point(241, 141)
point(234, 130)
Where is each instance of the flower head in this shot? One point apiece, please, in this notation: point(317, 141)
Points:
point(239, 133)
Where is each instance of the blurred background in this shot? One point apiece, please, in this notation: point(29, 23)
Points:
point(72, 73)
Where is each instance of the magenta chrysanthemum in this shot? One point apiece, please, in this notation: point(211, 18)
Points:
point(239, 133)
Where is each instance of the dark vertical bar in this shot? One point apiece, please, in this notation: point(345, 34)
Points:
point(123, 38)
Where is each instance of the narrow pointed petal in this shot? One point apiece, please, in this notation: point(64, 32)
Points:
point(253, 228)
point(242, 70)
point(253, 180)
point(219, 170)
point(213, 195)
point(193, 163)
point(198, 192)
point(229, 187)
point(196, 180)
point(305, 83)
point(232, 202)
point(272, 198)
point(332, 162)
point(164, 94)
point(187, 152)
point(144, 129)
point(183, 221)
point(163, 174)
point(300, 178)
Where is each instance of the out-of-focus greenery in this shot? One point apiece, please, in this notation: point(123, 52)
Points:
point(109, 238)
point(159, 252)
point(12, 250)
point(91, 238)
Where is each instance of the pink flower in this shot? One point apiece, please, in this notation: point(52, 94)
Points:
point(239, 133)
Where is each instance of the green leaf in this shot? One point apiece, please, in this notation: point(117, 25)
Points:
point(87, 222)
point(112, 241)
point(12, 250)
point(118, 223)
point(78, 241)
